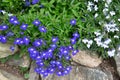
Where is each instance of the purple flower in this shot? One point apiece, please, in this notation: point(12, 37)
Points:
point(35, 1)
point(54, 39)
point(14, 20)
point(73, 22)
point(3, 39)
point(23, 26)
point(37, 42)
point(39, 63)
point(68, 68)
point(73, 40)
point(65, 72)
point(70, 47)
point(27, 2)
point(74, 52)
point(76, 35)
point(67, 57)
point(17, 41)
point(3, 27)
point(54, 46)
point(10, 33)
point(41, 6)
point(31, 49)
point(36, 22)
point(65, 52)
point(51, 70)
point(26, 40)
point(59, 73)
point(21, 33)
point(12, 48)
point(42, 29)
point(34, 54)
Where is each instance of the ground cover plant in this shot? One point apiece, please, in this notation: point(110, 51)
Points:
point(50, 31)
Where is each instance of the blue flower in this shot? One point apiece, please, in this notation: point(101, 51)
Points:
point(42, 29)
point(14, 20)
point(34, 54)
point(41, 6)
point(12, 48)
point(3, 39)
point(39, 63)
point(27, 2)
point(54, 39)
point(74, 52)
point(73, 40)
point(76, 35)
point(9, 34)
point(35, 1)
point(73, 22)
point(17, 41)
point(36, 22)
point(37, 43)
point(26, 40)
point(3, 27)
point(23, 26)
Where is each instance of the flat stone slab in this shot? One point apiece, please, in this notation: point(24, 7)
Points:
point(87, 58)
point(33, 75)
point(8, 76)
point(117, 60)
point(22, 62)
point(5, 50)
point(83, 73)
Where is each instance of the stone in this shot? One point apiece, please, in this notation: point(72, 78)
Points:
point(5, 50)
point(82, 73)
point(32, 74)
point(22, 62)
point(87, 58)
point(8, 76)
point(117, 60)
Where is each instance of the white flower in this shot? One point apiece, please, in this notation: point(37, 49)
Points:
point(111, 27)
point(85, 41)
point(3, 11)
point(95, 8)
point(111, 53)
point(106, 5)
point(10, 14)
point(90, 42)
point(97, 33)
point(89, 6)
point(107, 17)
point(96, 15)
point(105, 10)
point(99, 43)
point(95, 0)
point(112, 13)
point(119, 48)
point(119, 19)
point(116, 36)
point(107, 41)
point(88, 45)
point(104, 46)
point(108, 1)
point(90, 3)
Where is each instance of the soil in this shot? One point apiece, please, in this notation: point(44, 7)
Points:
point(110, 65)
point(11, 69)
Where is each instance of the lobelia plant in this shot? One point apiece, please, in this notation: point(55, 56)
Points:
point(53, 30)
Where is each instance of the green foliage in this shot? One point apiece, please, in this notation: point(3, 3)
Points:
point(11, 6)
point(56, 16)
